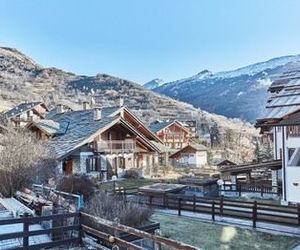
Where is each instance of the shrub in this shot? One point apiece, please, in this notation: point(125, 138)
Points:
point(115, 208)
point(77, 184)
point(131, 174)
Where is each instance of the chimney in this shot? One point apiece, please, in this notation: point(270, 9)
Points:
point(85, 105)
point(97, 114)
point(60, 108)
point(121, 102)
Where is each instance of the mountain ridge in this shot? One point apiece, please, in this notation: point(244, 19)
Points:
point(230, 93)
point(21, 80)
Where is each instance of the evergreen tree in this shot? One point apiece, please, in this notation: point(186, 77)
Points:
point(215, 137)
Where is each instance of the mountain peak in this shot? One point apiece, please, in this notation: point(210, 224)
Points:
point(154, 83)
point(204, 73)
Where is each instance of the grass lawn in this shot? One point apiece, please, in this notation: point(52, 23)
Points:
point(127, 183)
point(209, 236)
point(258, 199)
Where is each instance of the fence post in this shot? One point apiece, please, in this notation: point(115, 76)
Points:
point(240, 189)
point(25, 233)
point(179, 206)
point(213, 210)
point(262, 190)
point(298, 211)
point(167, 201)
point(125, 198)
point(157, 246)
point(221, 206)
point(254, 214)
point(194, 203)
point(80, 233)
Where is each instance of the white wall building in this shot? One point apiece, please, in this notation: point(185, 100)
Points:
point(282, 117)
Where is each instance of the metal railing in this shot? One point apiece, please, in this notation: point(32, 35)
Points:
point(251, 188)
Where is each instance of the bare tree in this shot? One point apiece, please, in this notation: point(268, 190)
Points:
point(23, 160)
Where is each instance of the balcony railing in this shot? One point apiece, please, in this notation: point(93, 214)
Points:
point(116, 146)
point(23, 119)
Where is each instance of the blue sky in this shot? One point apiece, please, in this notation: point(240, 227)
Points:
point(141, 40)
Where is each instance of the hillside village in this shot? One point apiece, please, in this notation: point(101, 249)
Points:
point(149, 125)
point(103, 148)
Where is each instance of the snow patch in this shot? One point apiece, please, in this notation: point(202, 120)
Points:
point(262, 84)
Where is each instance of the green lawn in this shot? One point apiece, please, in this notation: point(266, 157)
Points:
point(209, 236)
point(127, 183)
point(258, 199)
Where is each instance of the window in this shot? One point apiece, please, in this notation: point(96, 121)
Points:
point(93, 164)
point(169, 136)
point(290, 152)
point(280, 153)
point(176, 137)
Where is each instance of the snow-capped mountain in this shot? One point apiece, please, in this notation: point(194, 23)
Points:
point(154, 83)
point(238, 93)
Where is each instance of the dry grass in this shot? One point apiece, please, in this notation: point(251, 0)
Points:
point(115, 208)
point(207, 235)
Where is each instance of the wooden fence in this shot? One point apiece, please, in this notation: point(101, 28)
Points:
point(68, 234)
point(74, 232)
point(248, 210)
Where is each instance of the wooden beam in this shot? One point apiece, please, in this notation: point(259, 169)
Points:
point(105, 236)
point(142, 234)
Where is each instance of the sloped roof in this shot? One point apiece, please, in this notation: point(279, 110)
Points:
point(289, 78)
point(196, 146)
point(287, 99)
point(244, 168)
point(22, 107)
point(225, 162)
point(76, 129)
point(157, 126)
point(48, 126)
point(162, 147)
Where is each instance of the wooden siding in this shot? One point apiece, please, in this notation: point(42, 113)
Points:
point(174, 136)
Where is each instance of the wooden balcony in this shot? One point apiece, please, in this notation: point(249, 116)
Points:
point(116, 146)
point(23, 119)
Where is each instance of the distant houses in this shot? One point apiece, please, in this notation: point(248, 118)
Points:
point(25, 112)
point(282, 119)
point(108, 141)
point(192, 155)
point(179, 137)
point(173, 133)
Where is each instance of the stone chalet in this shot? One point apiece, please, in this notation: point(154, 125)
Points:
point(103, 142)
